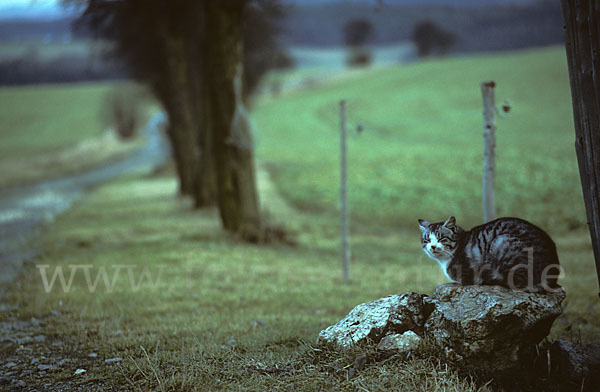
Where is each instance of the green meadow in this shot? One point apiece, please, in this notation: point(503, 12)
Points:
point(212, 313)
point(421, 151)
point(54, 129)
point(36, 119)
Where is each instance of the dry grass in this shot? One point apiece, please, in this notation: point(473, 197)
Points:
point(86, 154)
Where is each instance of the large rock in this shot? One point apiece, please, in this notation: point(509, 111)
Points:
point(482, 326)
point(393, 314)
point(490, 326)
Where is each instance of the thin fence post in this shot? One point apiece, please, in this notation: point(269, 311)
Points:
point(344, 195)
point(489, 150)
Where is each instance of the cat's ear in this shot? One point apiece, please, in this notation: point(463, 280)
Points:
point(450, 222)
point(423, 225)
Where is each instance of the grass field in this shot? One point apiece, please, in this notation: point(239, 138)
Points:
point(421, 153)
point(219, 314)
point(54, 129)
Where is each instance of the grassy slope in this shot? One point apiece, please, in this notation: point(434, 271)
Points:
point(43, 127)
point(234, 316)
point(421, 152)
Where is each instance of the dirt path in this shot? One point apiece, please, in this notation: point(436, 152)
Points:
point(25, 210)
point(30, 358)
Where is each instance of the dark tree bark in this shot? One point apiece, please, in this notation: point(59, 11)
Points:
point(161, 42)
point(582, 36)
point(238, 198)
point(206, 192)
point(183, 129)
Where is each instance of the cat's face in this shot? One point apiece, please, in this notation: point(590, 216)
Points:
point(440, 239)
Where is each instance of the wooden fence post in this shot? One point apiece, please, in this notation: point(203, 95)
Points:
point(344, 195)
point(489, 151)
point(582, 39)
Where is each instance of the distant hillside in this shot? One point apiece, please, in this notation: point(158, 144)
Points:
point(34, 51)
point(498, 25)
point(456, 3)
point(479, 28)
point(35, 29)
point(313, 24)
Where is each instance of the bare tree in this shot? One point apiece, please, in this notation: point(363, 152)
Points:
point(159, 42)
point(121, 110)
point(431, 39)
point(357, 32)
point(191, 55)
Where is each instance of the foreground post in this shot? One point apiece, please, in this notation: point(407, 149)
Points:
point(582, 38)
point(489, 151)
point(344, 195)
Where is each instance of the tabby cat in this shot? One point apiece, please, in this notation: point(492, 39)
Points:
point(509, 252)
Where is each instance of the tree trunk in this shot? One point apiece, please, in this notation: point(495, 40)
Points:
point(178, 132)
point(238, 198)
point(206, 191)
point(582, 37)
point(189, 117)
point(174, 134)
point(182, 126)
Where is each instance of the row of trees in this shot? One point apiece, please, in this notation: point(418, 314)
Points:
point(429, 39)
point(200, 59)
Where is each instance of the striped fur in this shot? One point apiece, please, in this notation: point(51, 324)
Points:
point(509, 252)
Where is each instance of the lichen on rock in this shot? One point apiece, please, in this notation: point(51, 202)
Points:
point(373, 320)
